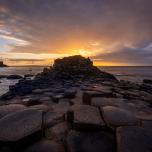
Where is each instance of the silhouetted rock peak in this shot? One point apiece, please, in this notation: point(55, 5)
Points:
point(2, 64)
point(73, 67)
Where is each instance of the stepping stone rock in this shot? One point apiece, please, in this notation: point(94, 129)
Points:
point(20, 124)
point(90, 142)
point(41, 107)
point(52, 118)
point(148, 126)
point(7, 109)
point(46, 146)
point(86, 117)
point(88, 95)
point(61, 107)
point(57, 132)
point(106, 102)
point(118, 117)
point(133, 139)
point(70, 93)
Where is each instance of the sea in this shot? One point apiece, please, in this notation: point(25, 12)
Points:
point(134, 74)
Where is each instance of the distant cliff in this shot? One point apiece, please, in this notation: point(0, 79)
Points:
point(2, 64)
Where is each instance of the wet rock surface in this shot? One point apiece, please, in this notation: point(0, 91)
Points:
point(74, 107)
point(132, 139)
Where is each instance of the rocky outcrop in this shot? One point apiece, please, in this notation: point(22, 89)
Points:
point(2, 64)
point(68, 71)
point(74, 67)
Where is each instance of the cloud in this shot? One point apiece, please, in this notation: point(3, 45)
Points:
point(129, 55)
point(64, 26)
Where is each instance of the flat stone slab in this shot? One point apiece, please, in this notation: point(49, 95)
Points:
point(90, 142)
point(7, 109)
point(99, 101)
point(148, 126)
point(41, 107)
point(88, 95)
point(61, 107)
point(57, 132)
point(133, 139)
point(118, 117)
point(46, 146)
point(20, 124)
point(51, 118)
point(86, 117)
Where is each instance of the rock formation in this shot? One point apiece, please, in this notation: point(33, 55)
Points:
point(2, 64)
point(70, 109)
point(74, 67)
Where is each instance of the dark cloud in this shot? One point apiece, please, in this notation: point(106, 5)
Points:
point(54, 26)
point(26, 60)
point(128, 55)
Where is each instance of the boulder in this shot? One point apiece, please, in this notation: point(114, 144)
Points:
point(148, 126)
point(8, 109)
point(90, 142)
point(101, 102)
point(46, 146)
point(20, 124)
point(57, 132)
point(115, 117)
point(133, 139)
point(86, 117)
point(52, 118)
point(71, 93)
point(148, 81)
point(88, 95)
point(14, 77)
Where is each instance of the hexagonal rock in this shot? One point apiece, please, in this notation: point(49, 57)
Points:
point(88, 95)
point(51, 118)
point(118, 117)
point(90, 142)
point(61, 107)
point(20, 124)
point(46, 146)
point(133, 139)
point(86, 117)
point(41, 107)
point(70, 93)
point(7, 109)
point(57, 132)
point(148, 126)
point(99, 101)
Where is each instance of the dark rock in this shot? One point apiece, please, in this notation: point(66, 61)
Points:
point(86, 118)
point(70, 93)
point(46, 146)
point(28, 75)
point(90, 142)
point(118, 117)
point(14, 77)
point(102, 101)
point(74, 67)
point(2, 64)
point(20, 125)
point(57, 132)
point(148, 126)
point(147, 81)
point(88, 95)
point(8, 109)
point(53, 118)
point(133, 139)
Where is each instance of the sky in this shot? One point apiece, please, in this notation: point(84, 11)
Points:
point(110, 32)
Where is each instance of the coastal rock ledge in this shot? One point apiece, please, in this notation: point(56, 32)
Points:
point(74, 107)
